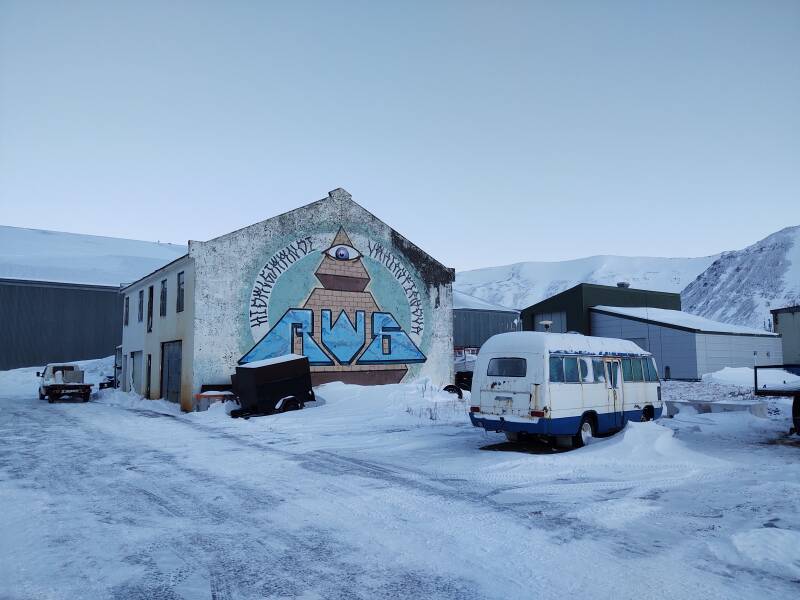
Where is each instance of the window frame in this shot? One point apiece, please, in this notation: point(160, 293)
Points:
point(560, 360)
point(179, 296)
point(140, 311)
point(162, 299)
point(126, 311)
point(516, 360)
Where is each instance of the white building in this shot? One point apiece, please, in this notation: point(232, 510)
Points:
point(328, 280)
point(687, 346)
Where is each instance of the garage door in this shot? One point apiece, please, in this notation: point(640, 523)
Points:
point(171, 371)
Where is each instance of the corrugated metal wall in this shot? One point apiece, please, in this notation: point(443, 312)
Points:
point(471, 328)
point(42, 322)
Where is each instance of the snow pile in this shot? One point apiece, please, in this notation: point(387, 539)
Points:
point(41, 255)
point(24, 382)
point(774, 550)
point(648, 444)
point(743, 376)
point(131, 400)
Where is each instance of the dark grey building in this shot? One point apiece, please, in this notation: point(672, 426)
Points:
point(569, 310)
point(46, 322)
point(475, 321)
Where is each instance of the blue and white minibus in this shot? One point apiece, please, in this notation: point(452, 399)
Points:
point(562, 386)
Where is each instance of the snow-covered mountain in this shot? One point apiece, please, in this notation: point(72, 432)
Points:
point(522, 284)
point(742, 286)
point(38, 254)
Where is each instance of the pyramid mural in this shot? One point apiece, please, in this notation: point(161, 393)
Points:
point(340, 327)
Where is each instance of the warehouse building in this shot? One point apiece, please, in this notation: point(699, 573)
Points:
point(685, 346)
point(328, 280)
point(475, 321)
point(569, 310)
point(46, 322)
point(786, 322)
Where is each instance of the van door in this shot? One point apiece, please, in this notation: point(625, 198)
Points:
point(506, 388)
point(614, 387)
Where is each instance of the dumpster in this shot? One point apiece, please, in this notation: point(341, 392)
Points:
point(272, 385)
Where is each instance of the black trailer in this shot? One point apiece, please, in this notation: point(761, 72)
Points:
point(788, 385)
point(274, 385)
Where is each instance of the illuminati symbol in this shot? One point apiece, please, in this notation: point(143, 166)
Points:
point(341, 328)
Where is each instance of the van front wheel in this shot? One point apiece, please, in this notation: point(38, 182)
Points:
point(585, 433)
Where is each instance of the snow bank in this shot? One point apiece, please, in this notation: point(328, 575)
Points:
point(134, 401)
point(743, 376)
point(23, 382)
point(774, 550)
point(644, 444)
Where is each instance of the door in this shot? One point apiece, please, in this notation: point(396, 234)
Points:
point(148, 376)
point(136, 371)
point(614, 387)
point(171, 371)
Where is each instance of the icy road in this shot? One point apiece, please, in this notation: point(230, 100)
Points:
point(387, 493)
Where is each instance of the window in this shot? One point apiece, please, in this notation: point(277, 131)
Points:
point(652, 373)
point(140, 315)
point(626, 370)
point(162, 303)
point(636, 369)
point(127, 310)
point(507, 367)
point(585, 367)
point(571, 369)
point(179, 300)
point(599, 370)
point(556, 369)
point(150, 309)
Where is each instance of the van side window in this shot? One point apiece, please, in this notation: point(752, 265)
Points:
point(585, 367)
point(636, 369)
point(652, 373)
point(556, 369)
point(626, 370)
point(571, 369)
point(507, 367)
point(599, 370)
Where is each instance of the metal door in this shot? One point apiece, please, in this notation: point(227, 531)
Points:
point(171, 371)
point(614, 386)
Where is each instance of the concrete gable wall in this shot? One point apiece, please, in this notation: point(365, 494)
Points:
point(249, 280)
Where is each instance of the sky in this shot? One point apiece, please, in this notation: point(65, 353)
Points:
point(485, 132)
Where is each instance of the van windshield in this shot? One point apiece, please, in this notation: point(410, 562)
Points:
point(507, 367)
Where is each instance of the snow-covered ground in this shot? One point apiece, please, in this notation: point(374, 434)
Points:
point(388, 492)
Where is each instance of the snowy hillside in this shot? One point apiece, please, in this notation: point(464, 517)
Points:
point(742, 286)
point(522, 284)
point(75, 258)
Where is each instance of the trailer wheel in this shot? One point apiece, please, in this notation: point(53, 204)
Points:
point(86, 396)
point(290, 403)
point(453, 389)
point(586, 432)
point(41, 396)
point(51, 398)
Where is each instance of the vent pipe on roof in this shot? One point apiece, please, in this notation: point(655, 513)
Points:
point(623, 284)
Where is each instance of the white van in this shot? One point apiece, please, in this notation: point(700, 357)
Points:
point(562, 386)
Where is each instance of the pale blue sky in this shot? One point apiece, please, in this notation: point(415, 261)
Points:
point(486, 132)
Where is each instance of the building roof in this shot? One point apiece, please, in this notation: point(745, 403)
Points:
point(678, 319)
point(538, 342)
point(786, 309)
point(462, 301)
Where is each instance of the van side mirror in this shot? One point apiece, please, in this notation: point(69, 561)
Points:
point(38, 374)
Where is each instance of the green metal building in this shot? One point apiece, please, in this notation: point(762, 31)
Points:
point(569, 310)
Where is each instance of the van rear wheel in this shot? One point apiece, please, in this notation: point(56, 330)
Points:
point(585, 433)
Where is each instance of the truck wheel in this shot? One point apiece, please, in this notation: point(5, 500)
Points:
point(585, 433)
point(86, 397)
point(41, 396)
point(454, 389)
point(51, 398)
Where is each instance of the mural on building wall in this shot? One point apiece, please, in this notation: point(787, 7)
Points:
point(358, 317)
